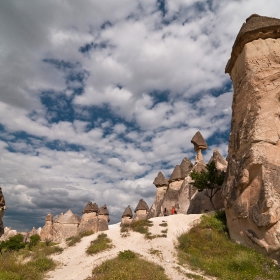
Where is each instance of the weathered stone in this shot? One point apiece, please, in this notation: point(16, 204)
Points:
point(8, 232)
point(252, 188)
point(47, 231)
point(89, 222)
point(90, 208)
point(199, 145)
point(66, 225)
point(103, 213)
point(141, 210)
point(162, 184)
point(127, 216)
point(102, 225)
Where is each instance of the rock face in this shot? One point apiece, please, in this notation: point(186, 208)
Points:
point(2, 209)
point(179, 193)
point(47, 231)
point(127, 216)
point(252, 188)
point(69, 224)
point(161, 184)
point(89, 221)
point(66, 225)
point(8, 232)
point(103, 218)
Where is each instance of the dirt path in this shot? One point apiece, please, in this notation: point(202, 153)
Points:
point(74, 264)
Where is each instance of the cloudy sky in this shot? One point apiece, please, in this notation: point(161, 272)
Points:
point(96, 97)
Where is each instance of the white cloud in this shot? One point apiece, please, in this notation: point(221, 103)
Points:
point(149, 83)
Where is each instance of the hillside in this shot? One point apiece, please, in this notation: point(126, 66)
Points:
point(74, 263)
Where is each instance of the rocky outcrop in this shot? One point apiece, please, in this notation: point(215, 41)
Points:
point(127, 216)
point(8, 232)
point(199, 145)
point(103, 218)
point(252, 188)
point(175, 195)
point(2, 209)
point(161, 184)
point(47, 230)
point(89, 221)
point(69, 224)
point(178, 191)
point(141, 210)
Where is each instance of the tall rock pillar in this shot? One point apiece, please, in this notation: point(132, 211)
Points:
point(252, 185)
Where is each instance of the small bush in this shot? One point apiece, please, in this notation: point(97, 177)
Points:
point(163, 224)
point(127, 269)
point(14, 243)
point(101, 243)
point(34, 240)
point(126, 255)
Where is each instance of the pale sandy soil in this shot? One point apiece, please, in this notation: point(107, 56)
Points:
point(74, 264)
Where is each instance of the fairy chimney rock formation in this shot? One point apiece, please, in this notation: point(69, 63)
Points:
point(66, 225)
point(103, 218)
point(252, 185)
point(89, 221)
point(127, 216)
point(141, 210)
point(199, 145)
point(161, 184)
point(47, 231)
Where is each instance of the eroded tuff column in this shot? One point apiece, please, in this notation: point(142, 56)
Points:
point(252, 186)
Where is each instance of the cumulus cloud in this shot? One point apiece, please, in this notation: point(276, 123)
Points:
point(96, 98)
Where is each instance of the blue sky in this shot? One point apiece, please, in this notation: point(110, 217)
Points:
point(97, 97)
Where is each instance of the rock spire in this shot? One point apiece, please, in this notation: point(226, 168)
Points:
point(199, 145)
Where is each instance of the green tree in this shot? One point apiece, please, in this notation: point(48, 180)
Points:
point(210, 180)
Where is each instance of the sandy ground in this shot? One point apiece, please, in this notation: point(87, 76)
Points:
point(74, 264)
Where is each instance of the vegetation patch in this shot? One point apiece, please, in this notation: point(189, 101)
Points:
point(126, 266)
point(101, 243)
point(71, 241)
point(207, 247)
point(163, 224)
point(20, 261)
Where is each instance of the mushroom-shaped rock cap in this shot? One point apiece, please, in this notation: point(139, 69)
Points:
point(186, 166)
point(160, 180)
point(103, 210)
point(142, 205)
point(199, 142)
point(127, 212)
point(256, 27)
point(49, 217)
point(90, 208)
point(176, 174)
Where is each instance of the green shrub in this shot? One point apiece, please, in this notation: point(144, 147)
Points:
point(207, 247)
point(101, 243)
point(126, 255)
point(126, 267)
point(34, 240)
point(14, 243)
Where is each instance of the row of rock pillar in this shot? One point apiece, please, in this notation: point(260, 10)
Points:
point(66, 225)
